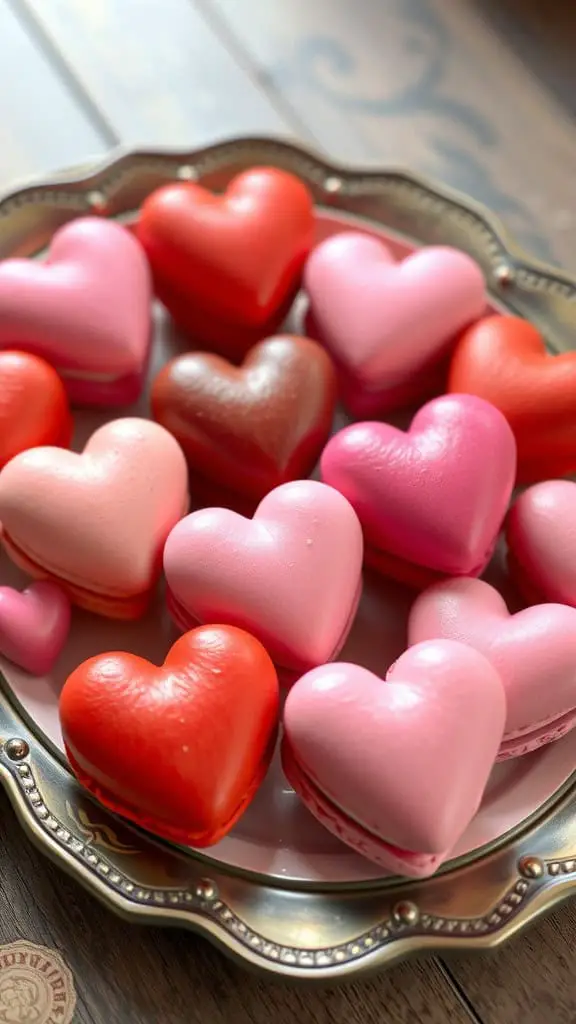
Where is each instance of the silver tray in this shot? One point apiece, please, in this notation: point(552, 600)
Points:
point(304, 931)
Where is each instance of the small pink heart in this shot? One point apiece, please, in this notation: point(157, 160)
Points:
point(386, 324)
point(85, 309)
point(534, 652)
point(34, 625)
point(541, 535)
point(396, 769)
point(291, 576)
point(435, 496)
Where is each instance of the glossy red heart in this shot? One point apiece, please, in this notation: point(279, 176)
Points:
point(252, 427)
point(180, 750)
point(227, 266)
point(34, 408)
point(504, 360)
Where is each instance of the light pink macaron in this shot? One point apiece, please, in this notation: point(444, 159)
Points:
point(85, 308)
point(534, 652)
point(396, 768)
point(291, 575)
point(431, 500)
point(541, 535)
point(96, 522)
point(390, 326)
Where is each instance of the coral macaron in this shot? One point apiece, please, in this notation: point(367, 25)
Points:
point(178, 749)
point(390, 326)
point(431, 501)
point(396, 768)
point(541, 535)
point(253, 427)
point(291, 575)
point(33, 405)
point(85, 309)
point(96, 522)
point(504, 360)
point(228, 266)
point(533, 651)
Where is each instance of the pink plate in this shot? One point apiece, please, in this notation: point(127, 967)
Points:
point(277, 836)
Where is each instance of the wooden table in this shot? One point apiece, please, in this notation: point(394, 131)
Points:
point(479, 94)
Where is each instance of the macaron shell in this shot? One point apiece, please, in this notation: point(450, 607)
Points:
point(240, 253)
point(98, 519)
point(34, 625)
point(504, 360)
point(86, 308)
point(407, 759)
point(291, 576)
point(391, 858)
point(429, 496)
point(534, 652)
point(180, 748)
point(386, 321)
point(251, 427)
point(541, 535)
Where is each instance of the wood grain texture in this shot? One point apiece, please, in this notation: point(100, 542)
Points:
point(427, 84)
point(43, 125)
point(529, 981)
point(158, 70)
point(138, 975)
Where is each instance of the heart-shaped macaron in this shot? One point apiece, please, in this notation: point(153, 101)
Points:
point(534, 653)
point(396, 768)
point(96, 522)
point(541, 535)
point(34, 625)
point(85, 309)
point(504, 360)
point(226, 266)
point(252, 427)
point(291, 576)
point(389, 325)
point(179, 749)
point(33, 405)
point(431, 501)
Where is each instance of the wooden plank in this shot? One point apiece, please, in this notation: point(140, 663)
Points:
point(426, 84)
point(42, 124)
point(136, 975)
point(158, 70)
point(543, 36)
point(531, 980)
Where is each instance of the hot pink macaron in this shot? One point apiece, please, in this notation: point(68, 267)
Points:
point(290, 576)
point(396, 768)
point(431, 501)
point(389, 326)
point(96, 522)
point(534, 652)
point(86, 309)
point(541, 535)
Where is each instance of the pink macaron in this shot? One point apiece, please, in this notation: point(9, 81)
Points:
point(541, 535)
point(34, 625)
point(431, 501)
point(389, 326)
point(291, 575)
point(85, 308)
point(533, 651)
point(396, 768)
point(96, 522)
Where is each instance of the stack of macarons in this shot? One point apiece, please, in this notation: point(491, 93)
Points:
point(264, 584)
